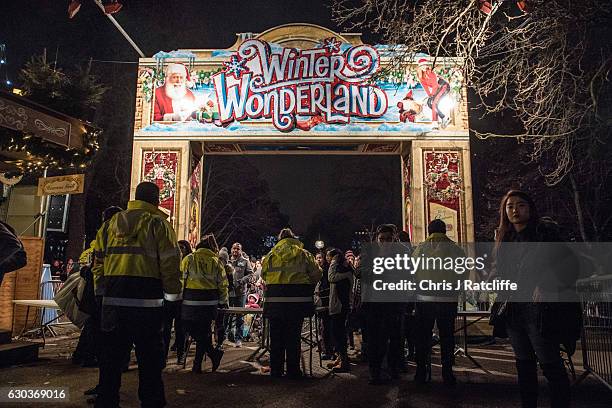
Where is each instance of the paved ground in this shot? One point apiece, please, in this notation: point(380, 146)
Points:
point(239, 384)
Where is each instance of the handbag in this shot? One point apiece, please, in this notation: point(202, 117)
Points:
point(498, 318)
point(499, 309)
point(499, 312)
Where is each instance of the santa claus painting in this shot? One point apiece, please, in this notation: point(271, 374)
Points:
point(173, 100)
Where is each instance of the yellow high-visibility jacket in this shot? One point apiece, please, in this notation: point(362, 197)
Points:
point(86, 257)
point(137, 257)
point(440, 248)
point(97, 267)
point(206, 282)
point(290, 273)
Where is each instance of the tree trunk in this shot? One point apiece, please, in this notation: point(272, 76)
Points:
point(578, 205)
point(76, 226)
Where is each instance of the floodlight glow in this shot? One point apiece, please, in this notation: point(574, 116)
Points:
point(446, 104)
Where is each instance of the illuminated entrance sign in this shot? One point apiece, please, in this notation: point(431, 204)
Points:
point(304, 89)
point(263, 86)
point(285, 84)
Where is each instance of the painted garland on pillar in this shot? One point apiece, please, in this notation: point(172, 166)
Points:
point(167, 177)
point(442, 176)
point(407, 195)
point(193, 233)
point(444, 186)
point(161, 168)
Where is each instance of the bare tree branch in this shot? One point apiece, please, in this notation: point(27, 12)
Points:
point(541, 63)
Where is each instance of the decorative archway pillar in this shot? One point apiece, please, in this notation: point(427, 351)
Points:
point(167, 163)
point(441, 187)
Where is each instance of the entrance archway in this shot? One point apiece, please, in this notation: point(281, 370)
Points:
point(338, 199)
point(303, 89)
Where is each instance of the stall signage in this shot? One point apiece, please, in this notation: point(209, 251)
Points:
point(71, 184)
point(324, 83)
point(17, 116)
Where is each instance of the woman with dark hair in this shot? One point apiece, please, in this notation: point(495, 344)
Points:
point(519, 222)
point(340, 277)
point(172, 315)
point(70, 267)
point(204, 288)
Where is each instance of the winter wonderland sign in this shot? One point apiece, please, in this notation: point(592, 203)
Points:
point(304, 89)
point(321, 83)
point(266, 87)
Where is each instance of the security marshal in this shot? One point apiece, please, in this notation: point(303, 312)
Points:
point(290, 273)
point(137, 257)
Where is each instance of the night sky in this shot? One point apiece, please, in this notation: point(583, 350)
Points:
point(154, 26)
point(173, 24)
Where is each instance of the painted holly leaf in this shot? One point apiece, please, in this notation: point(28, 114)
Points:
point(236, 66)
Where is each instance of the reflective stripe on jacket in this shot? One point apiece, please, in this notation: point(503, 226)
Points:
point(206, 283)
point(97, 268)
point(290, 273)
point(137, 258)
point(440, 248)
point(86, 257)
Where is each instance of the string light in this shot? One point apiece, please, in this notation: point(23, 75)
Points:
point(41, 154)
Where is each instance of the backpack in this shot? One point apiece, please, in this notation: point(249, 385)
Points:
point(69, 298)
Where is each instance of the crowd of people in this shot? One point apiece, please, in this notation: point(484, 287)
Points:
point(61, 270)
point(143, 284)
point(397, 331)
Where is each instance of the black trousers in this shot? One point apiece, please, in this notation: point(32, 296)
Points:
point(326, 340)
point(201, 331)
point(443, 314)
point(339, 331)
point(87, 349)
point(384, 328)
point(122, 327)
point(285, 343)
point(172, 314)
point(220, 326)
point(409, 332)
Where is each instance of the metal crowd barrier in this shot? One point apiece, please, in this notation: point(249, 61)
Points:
point(596, 298)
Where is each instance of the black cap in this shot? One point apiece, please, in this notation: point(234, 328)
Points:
point(403, 236)
point(148, 192)
point(286, 233)
point(436, 225)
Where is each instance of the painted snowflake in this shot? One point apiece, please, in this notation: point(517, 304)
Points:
point(331, 45)
point(235, 66)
